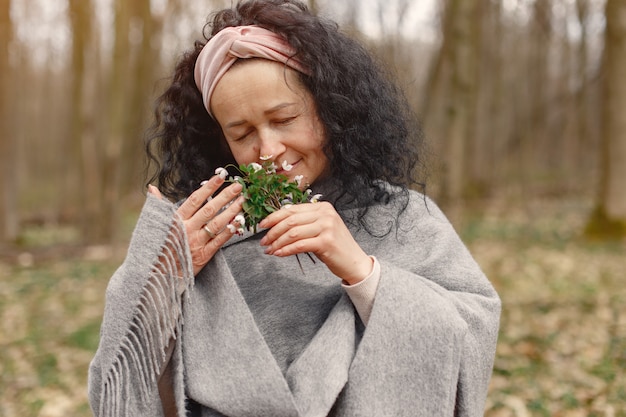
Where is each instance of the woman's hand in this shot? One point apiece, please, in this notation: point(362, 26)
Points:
point(205, 224)
point(317, 228)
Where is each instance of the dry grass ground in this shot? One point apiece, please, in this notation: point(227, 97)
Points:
point(562, 347)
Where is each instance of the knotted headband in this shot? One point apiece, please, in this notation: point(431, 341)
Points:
point(232, 43)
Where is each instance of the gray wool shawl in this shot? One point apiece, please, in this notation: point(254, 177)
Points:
point(258, 336)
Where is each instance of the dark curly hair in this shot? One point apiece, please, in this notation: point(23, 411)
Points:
point(372, 137)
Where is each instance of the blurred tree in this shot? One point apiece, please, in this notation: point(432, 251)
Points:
point(83, 179)
point(147, 28)
point(430, 104)
point(579, 129)
point(458, 68)
point(118, 120)
point(610, 214)
point(8, 171)
point(490, 129)
point(533, 125)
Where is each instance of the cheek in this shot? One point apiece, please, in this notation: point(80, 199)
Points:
point(320, 140)
point(244, 155)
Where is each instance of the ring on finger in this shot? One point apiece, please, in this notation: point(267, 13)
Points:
point(208, 230)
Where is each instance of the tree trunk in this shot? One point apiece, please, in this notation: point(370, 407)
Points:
point(582, 131)
point(461, 105)
point(437, 68)
point(614, 132)
point(432, 103)
point(8, 173)
point(117, 129)
point(481, 140)
point(610, 215)
point(493, 123)
point(535, 97)
point(145, 56)
point(85, 181)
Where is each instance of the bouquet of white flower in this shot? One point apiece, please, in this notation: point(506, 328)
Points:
point(265, 191)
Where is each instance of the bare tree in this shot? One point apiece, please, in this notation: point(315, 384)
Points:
point(610, 214)
point(83, 181)
point(8, 174)
point(582, 92)
point(118, 120)
point(533, 122)
point(145, 53)
point(454, 82)
point(490, 131)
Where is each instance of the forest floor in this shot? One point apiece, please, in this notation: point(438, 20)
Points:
point(561, 350)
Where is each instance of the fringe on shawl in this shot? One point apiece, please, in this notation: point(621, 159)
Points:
point(156, 321)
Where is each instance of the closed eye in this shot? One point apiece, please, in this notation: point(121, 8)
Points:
point(242, 137)
point(286, 120)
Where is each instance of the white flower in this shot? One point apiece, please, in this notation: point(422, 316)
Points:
point(234, 229)
point(316, 198)
point(256, 167)
point(308, 192)
point(265, 157)
point(271, 168)
point(240, 219)
point(236, 178)
point(298, 179)
point(222, 172)
point(287, 166)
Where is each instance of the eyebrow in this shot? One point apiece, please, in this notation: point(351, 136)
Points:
point(266, 112)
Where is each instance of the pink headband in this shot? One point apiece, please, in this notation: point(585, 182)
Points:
point(232, 43)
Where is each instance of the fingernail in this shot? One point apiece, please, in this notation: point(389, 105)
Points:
point(263, 223)
point(264, 241)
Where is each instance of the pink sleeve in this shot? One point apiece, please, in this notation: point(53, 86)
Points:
point(363, 293)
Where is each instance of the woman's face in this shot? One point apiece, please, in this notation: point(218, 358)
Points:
point(265, 111)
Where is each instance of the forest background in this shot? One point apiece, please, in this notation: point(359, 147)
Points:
point(523, 105)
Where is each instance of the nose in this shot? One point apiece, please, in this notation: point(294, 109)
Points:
point(270, 144)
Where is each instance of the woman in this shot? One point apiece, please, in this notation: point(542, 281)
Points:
point(393, 318)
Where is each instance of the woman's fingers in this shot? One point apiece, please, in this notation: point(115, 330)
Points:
point(215, 206)
point(216, 226)
point(205, 218)
point(295, 226)
point(317, 228)
point(199, 197)
point(205, 240)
